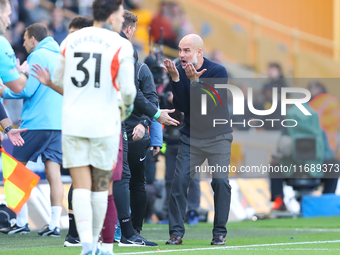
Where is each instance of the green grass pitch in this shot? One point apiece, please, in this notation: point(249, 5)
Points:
point(281, 236)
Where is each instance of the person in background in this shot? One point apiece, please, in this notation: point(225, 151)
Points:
point(57, 27)
point(164, 19)
point(41, 115)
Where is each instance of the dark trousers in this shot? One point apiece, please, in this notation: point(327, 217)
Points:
point(137, 162)
point(194, 192)
point(191, 154)
point(121, 188)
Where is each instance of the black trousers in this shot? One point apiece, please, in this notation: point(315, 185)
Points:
point(191, 154)
point(121, 188)
point(137, 163)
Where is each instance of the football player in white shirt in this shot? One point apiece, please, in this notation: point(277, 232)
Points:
point(94, 65)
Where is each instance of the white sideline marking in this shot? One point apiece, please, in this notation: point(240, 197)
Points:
point(317, 229)
point(235, 247)
point(295, 229)
point(286, 249)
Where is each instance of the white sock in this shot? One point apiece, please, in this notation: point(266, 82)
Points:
point(55, 217)
point(107, 247)
point(82, 210)
point(99, 207)
point(22, 216)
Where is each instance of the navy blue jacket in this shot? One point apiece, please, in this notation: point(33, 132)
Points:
point(196, 125)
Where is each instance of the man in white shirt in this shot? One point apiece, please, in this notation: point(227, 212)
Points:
point(95, 63)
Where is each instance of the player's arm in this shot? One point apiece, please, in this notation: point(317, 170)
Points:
point(43, 75)
point(17, 85)
point(31, 87)
point(126, 80)
point(15, 77)
point(55, 82)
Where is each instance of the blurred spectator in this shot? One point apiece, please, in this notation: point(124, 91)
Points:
point(71, 5)
point(132, 5)
point(34, 13)
point(57, 27)
point(217, 56)
point(15, 12)
point(174, 22)
point(275, 80)
point(275, 76)
point(180, 23)
point(164, 19)
point(85, 7)
point(328, 108)
point(17, 41)
point(144, 19)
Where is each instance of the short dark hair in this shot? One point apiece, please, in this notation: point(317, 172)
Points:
point(130, 19)
point(102, 9)
point(3, 4)
point(37, 30)
point(318, 85)
point(277, 66)
point(80, 22)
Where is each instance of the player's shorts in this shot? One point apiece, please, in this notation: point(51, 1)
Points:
point(46, 143)
point(100, 152)
point(117, 173)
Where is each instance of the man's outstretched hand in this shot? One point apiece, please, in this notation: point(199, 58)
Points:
point(43, 75)
point(170, 67)
point(165, 119)
point(15, 137)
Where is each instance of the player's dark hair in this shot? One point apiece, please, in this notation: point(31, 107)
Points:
point(3, 4)
point(37, 30)
point(102, 9)
point(130, 19)
point(80, 22)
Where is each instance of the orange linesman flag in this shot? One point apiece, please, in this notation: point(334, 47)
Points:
point(18, 181)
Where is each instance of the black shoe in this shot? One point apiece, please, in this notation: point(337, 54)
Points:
point(47, 232)
point(136, 240)
point(15, 229)
point(175, 240)
point(71, 241)
point(218, 240)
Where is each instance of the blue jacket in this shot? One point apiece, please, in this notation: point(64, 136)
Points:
point(42, 105)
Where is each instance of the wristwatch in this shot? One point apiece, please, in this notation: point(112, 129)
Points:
point(25, 73)
point(7, 129)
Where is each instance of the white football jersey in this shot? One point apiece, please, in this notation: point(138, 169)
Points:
point(90, 81)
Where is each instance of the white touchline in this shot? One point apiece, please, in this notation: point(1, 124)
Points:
point(230, 247)
point(317, 229)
